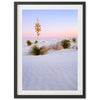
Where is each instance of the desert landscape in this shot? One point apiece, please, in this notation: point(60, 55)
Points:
point(55, 70)
point(49, 50)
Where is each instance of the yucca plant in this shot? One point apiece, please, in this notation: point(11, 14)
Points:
point(65, 44)
point(74, 40)
point(36, 42)
point(35, 50)
point(28, 42)
point(39, 51)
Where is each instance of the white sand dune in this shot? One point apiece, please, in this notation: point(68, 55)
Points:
point(56, 70)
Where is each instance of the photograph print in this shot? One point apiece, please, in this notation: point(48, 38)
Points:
point(49, 40)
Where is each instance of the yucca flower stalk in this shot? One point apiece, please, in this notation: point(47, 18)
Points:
point(37, 29)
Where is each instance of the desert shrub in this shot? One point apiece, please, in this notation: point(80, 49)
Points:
point(58, 46)
point(29, 42)
point(35, 50)
point(74, 40)
point(52, 46)
point(36, 41)
point(39, 51)
point(75, 47)
point(43, 41)
point(55, 46)
point(65, 44)
point(43, 50)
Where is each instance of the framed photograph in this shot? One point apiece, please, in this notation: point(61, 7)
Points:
point(49, 50)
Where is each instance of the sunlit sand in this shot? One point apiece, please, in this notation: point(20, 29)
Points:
point(56, 70)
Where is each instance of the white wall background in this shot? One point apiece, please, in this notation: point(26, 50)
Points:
point(7, 49)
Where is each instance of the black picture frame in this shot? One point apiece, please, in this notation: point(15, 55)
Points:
point(16, 46)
